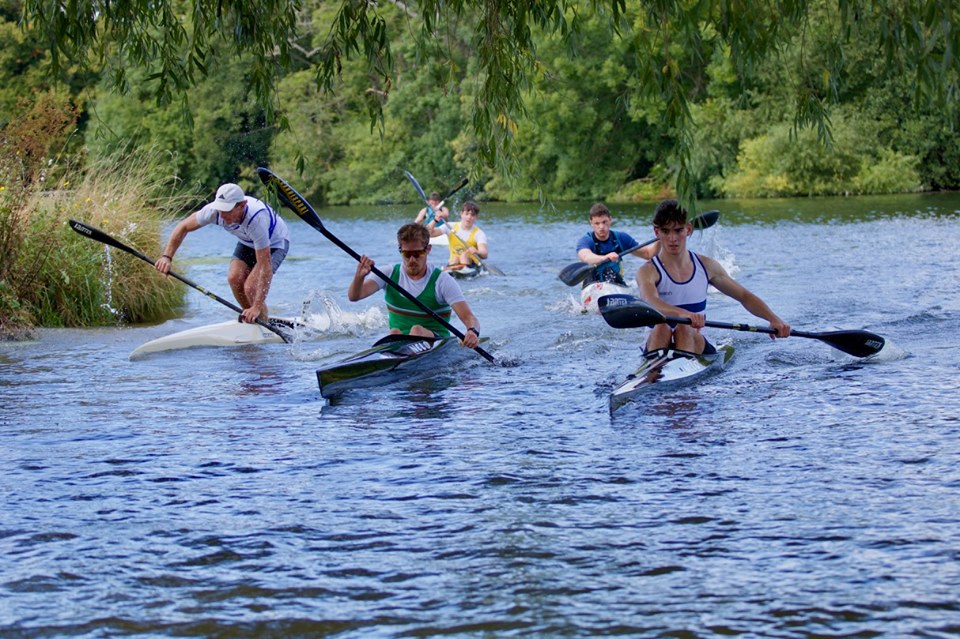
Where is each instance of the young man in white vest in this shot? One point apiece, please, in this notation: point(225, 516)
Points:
point(675, 282)
point(262, 244)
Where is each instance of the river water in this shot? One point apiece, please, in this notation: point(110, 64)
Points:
point(214, 493)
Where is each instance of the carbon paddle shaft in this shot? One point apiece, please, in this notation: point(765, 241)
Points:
point(296, 203)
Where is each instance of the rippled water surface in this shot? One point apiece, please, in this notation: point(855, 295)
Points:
point(799, 493)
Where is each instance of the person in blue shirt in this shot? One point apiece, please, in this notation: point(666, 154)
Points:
point(602, 245)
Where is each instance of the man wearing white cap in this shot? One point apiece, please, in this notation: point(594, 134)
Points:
point(262, 246)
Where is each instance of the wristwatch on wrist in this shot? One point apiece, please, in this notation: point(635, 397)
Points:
point(474, 331)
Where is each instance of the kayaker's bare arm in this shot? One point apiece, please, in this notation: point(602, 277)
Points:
point(721, 280)
point(646, 252)
point(589, 257)
point(186, 225)
point(359, 287)
point(470, 339)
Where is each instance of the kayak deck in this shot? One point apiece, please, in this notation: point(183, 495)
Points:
point(593, 291)
point(229, 333)
point(380, 363)
point(666, 369)
point(462, 272)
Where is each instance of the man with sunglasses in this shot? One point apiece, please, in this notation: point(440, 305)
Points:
point(675, 282)
point(433, 287)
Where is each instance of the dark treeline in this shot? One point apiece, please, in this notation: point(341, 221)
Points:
point(583, 134)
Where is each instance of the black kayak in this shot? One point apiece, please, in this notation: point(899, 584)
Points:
point(390, 358)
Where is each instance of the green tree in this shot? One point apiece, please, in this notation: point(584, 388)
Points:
point(917, 40)
point(225, 133)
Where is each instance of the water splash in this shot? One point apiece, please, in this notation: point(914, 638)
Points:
point(568, 305)
point(890, 352)
point(108, 304)
point(321, 317)
point(708, 243)
point(320, 311)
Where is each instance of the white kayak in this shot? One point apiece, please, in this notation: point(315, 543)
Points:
point(666, 369)
point(230, 333)
point(593, 291)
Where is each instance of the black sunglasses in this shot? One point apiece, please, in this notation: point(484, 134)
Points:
point(414, 253)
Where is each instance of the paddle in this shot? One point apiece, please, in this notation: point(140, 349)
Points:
point(296, 203)
point(627, 311)
point(416, 185)
point(577, 272)
point(430, 216)
point(100, 236)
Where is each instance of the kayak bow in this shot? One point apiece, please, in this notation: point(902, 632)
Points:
point(389, 359)
point(666, 369)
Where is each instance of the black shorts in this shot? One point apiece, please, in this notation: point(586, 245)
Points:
point(249, 257)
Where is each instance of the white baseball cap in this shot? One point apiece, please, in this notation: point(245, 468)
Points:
point(228, 196)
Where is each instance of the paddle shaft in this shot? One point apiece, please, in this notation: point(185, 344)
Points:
point(627, 311)
point(735, 326)
point(100, 236)
point(853, 342)
point(296, 203)
point(704, 221)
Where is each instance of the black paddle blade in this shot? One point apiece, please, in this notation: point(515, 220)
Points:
point(856, 343)
point(575, 273)
point(706, 219)
point(96, 234)
point(290, 198)
point(627, 311)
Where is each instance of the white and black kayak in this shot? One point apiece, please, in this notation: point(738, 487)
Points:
point(391, 358)
point(593, 291)
point(667, 369)
point(465, 272)
point(231, 333)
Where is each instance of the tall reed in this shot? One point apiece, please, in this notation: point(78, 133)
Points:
point(49, 275)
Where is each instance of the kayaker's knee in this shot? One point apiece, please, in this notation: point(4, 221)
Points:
point(420, 331)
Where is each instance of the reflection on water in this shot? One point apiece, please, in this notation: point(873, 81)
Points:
point(797, 493)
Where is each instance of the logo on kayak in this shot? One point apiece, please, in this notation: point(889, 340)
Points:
point(419, 347)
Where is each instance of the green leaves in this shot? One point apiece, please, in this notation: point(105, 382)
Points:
point(492, 55)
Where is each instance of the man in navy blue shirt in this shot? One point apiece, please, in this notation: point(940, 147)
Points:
point(602, 247)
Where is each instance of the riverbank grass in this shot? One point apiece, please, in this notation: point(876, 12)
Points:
point(49, 275)
point(62, 279)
